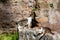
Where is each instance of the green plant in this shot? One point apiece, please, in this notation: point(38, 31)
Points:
point(9, 36)
point(34, 9)
point(51, 5)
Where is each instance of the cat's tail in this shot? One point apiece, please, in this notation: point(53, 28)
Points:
point(52, 33)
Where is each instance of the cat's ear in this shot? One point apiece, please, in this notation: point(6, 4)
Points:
point(33, 14)
point(30, 15)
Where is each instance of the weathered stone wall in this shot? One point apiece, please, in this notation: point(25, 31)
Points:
point(47, 11)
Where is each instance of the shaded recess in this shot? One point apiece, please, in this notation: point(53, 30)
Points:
point(4, 1)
